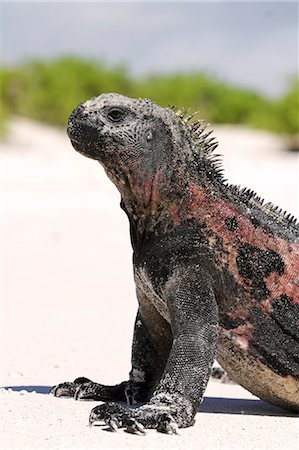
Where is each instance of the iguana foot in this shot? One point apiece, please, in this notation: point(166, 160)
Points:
point(80, 389)
point(162, 418)
point(84, 389)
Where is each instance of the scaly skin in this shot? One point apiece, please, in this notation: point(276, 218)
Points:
point(213, 267)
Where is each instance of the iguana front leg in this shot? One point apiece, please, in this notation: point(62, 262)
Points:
point(148, 362)
point(149, 354)
point(194, 320)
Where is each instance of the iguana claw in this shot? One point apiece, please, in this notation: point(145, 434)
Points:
point(134, 427)
point(168, 425)
point(113, 424)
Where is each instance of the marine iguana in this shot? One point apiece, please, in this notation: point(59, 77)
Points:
point(213, 265)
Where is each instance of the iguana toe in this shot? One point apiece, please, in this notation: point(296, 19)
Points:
point(68, 388)
point(109, 413)
point(133, 426)
point(167, 424)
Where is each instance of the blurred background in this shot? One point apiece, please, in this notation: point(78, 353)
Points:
point(236, 62)
point(69, 297)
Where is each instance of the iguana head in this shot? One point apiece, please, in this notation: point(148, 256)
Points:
point(138, 143)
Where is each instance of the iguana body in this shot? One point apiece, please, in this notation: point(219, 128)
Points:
point(213, 266)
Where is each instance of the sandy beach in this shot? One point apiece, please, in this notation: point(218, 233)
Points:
point(68, 298)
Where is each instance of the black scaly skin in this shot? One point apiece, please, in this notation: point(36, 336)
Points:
point(213, 267)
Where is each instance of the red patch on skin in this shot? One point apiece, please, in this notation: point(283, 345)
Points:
point(146, 191)
point(213, 212)
point(240, 335)
point(175, 212)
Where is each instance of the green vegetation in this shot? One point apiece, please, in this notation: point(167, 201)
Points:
point(48, 90)
point(288, 109)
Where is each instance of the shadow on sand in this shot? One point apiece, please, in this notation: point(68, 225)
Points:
point(37, 389)
point(250, 407)
point(210, 405)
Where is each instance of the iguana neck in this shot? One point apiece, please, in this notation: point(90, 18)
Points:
point(169, 201)
point(148, 197)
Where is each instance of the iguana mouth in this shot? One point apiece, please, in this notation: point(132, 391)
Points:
point(84, 133)
point(80, 130)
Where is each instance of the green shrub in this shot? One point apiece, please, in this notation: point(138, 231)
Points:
point(288, 109)
point(49, 90)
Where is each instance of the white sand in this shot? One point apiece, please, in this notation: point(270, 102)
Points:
point(69, 302)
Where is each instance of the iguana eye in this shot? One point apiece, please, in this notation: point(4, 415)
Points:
point(116, 114)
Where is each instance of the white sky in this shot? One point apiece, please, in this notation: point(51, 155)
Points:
point(253, 44)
